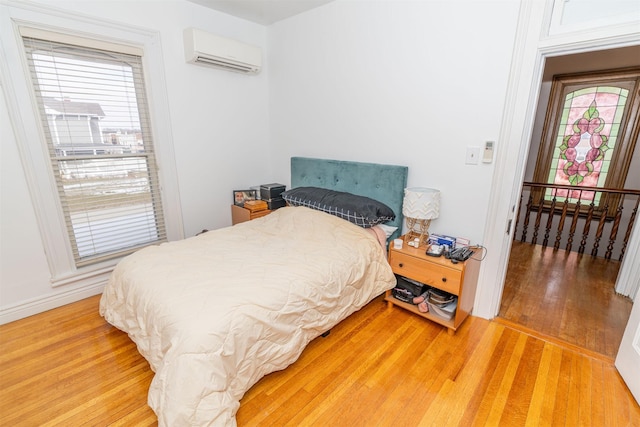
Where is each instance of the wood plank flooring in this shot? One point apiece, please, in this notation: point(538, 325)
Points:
point(565, 296)
point(382, 367)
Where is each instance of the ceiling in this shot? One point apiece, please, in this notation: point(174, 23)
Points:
point(263, 12)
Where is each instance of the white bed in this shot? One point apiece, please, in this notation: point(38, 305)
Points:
point(216, 312)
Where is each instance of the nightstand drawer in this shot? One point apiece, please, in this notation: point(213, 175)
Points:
point(433, 274)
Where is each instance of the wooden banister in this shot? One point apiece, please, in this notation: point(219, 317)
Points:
point(573, 208)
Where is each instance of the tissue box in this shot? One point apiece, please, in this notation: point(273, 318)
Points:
point(438, 239)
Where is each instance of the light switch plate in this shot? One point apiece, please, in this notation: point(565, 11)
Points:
point(473, 155)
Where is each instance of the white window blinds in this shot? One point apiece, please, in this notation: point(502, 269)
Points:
point(93, 110)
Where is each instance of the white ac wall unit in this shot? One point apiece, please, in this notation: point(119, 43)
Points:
point(204, 48)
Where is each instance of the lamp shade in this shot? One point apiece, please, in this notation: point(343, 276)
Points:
point(421, 203)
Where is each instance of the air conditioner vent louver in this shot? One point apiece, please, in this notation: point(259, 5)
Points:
point(226, 65)
point(204, 48)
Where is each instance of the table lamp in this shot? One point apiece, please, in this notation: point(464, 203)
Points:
point(419, 207)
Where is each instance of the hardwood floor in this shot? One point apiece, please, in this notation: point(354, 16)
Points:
point(383, 367)
point(565, 296)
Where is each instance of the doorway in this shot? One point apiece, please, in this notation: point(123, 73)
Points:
point(561, 295)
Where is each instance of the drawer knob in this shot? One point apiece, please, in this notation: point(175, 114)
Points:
point(444, 279)
point(401, 265)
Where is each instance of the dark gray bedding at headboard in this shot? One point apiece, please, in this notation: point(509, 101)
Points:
point(385, 183)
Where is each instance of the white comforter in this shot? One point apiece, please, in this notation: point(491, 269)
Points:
point(215, 313)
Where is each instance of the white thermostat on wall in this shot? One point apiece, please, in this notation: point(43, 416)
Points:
point(487, 155)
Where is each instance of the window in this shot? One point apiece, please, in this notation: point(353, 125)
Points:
point(590, 132)
point(93, 110)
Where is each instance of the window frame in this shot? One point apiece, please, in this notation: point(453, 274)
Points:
point(49, 55)
point(23, 110)
point(627, 136)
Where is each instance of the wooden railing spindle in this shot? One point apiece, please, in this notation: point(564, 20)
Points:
point(515, 227)
point(536, 224)
point(547, 229)
point(585, 230)
point(574, 224)
point(563, 215)
point(525, 226)
point(596, 242)
point(614, 229)
point(627, 235)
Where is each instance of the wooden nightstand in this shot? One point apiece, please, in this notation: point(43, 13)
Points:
point(240, 214)
point(459, 279)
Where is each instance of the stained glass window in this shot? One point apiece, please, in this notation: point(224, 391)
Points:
point(587, 131)
point(588, 135)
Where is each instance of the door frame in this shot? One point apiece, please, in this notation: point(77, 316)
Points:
point(628, 358)
point(532, 46)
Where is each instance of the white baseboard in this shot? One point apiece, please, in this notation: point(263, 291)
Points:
point(39, 305)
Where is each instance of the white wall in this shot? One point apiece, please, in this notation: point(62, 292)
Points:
point(23, 266)
point(218, 123)
point(399, 82)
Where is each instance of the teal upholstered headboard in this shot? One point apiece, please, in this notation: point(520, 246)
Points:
point(385, 183)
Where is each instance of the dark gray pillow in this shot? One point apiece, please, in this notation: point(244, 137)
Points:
point(360, 210)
